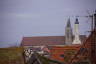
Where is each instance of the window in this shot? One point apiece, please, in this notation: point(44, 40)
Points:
point(62, 55)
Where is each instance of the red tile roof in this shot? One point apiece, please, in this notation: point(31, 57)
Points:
point(45, 40)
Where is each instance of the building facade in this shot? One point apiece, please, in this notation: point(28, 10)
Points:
point(53, 47)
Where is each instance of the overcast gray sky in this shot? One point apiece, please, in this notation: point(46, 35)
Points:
point(21, 18)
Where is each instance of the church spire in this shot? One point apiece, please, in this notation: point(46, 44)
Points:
point(76, 32)
point(68, 23)
point(68, 33)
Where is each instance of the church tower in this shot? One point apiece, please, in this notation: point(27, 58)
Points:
point(68, 33)
point(76, 33)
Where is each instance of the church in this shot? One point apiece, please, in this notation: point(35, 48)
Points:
point(55, 47)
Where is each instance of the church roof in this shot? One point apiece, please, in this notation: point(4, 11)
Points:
point(45, 40)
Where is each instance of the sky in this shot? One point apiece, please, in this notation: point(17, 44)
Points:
point(29, 18)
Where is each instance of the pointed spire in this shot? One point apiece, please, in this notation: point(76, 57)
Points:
point(68, 33)
point(76, 22)
point(68, 23)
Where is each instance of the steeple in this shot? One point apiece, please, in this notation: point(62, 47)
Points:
point(68, 23)
point(68, 33)
point(76, 33)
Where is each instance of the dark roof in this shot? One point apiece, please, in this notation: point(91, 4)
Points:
point(76, 22)
point(45, 40)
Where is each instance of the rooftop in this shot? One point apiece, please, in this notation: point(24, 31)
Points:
point(45, 40)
